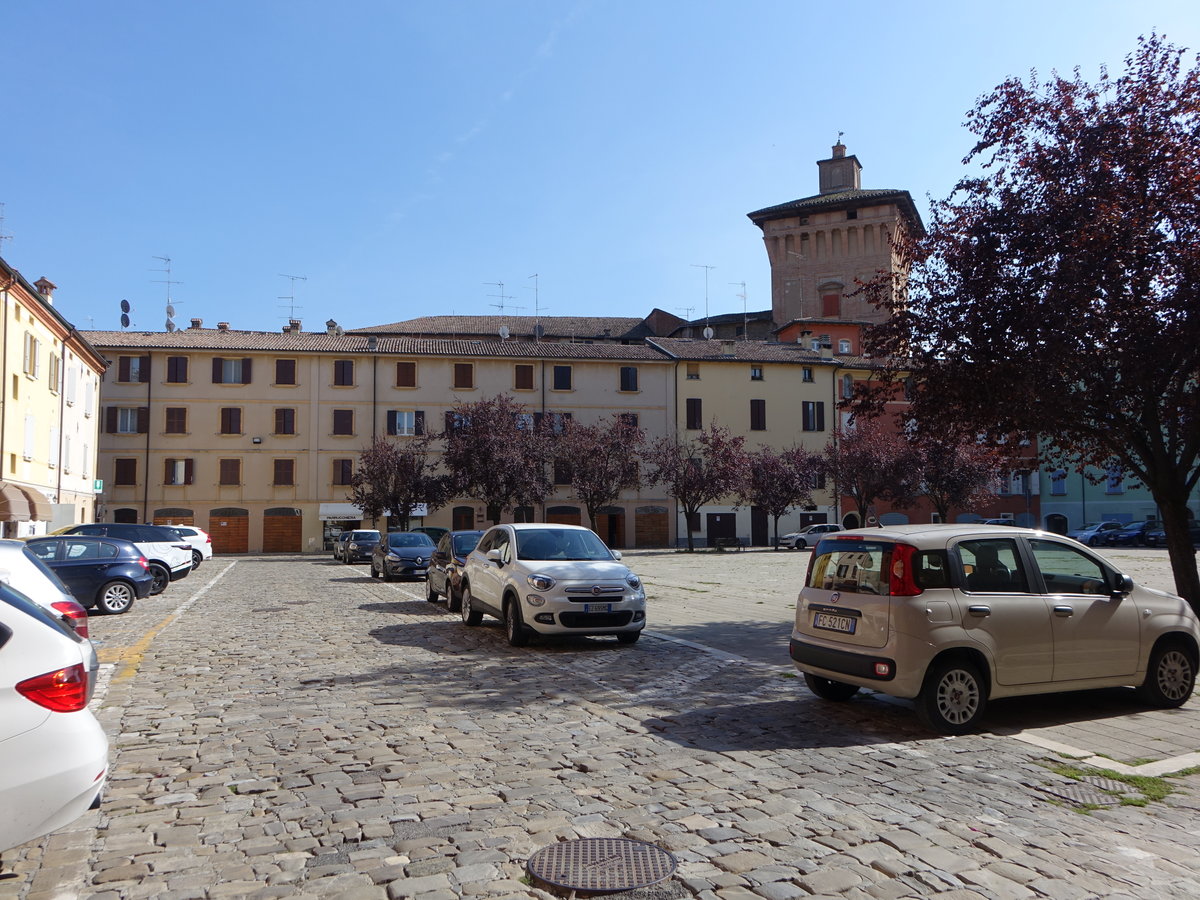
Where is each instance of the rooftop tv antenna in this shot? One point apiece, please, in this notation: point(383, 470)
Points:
point(708, 332)
point(745, 315)
point(687, 310)
point(291, 298)
point(538, 330)
point(168, 282)
point(3, 237)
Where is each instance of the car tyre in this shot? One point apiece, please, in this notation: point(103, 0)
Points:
point(628, 637)
point(453, 598)
point(514, 628)
point(430, 594)
point(197, 558)
point(387, 573)
point(469, 616)
point(953, 698)
point(162, 577)
point(374, 571)
point(828, 689)
point(1170, 677)
point(115, 597)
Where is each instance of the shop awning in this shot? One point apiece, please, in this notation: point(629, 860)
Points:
point(38, 504)
point(14, 505)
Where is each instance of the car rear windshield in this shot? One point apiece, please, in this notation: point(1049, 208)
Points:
point(866, 567)
point(409, 539)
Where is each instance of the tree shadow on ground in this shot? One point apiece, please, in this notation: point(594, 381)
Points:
point(1013, 715)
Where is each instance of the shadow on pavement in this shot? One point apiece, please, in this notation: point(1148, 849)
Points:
point(1014, 714)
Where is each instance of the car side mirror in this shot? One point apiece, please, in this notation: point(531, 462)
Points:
point(616, 554)
point(494, 556)
point(1124, 587)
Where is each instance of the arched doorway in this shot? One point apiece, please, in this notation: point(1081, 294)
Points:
point(126, 515)
point(1057, 523)
point(229, 528)
point(173, 515)
point(463, 518)
point(563, 515)
point(283, 528)
point(610, 525)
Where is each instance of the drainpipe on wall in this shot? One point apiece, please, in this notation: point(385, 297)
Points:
point(4, 373)
point(149, 417)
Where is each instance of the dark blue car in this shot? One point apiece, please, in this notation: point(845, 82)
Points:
point(101, 572)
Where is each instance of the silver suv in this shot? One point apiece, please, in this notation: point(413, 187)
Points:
point(955, 615)
point(807, 536)
point(551, 579)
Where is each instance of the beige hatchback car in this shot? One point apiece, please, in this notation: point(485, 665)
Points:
point(955, 615)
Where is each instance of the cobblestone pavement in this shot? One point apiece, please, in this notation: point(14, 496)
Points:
point(290, 727)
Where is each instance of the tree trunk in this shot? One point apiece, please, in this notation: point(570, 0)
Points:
point(687, 526)
point(1173, 508)
point(777, 518)
point(494, 512)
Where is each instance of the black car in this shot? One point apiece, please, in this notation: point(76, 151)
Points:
point(1132, 535)
point(402, 553)
point(1158, 537)
point(445, 569)
point(360, 544)
point(104, 573)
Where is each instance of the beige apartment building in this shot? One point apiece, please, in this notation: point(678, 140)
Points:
point(254, 436)
point(774, 395)
point(50, 377)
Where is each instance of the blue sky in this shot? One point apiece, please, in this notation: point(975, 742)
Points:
point(403, 157)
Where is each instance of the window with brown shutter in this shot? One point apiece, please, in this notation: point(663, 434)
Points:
point(124, 471)
point(343, 471)
point(177, 369)
point(831, 305)
point(523, 377)
point(406, 374)
point(758, 415)
point(179, 471)
point(562, 378)
point(694, 418)
point(285, 472)
point(231, 471)
point(343, 421)
point(176, 420)
point(343, 372)
point(464, 376)
point(285, 371)
point(285, 420)
point(231, 420)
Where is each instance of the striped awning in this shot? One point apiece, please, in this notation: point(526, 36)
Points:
point(23, 504)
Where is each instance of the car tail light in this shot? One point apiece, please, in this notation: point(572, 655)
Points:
point(902, 583)
point(143, 562)
point(63, 691)
point(76, 615)
point(208, 539)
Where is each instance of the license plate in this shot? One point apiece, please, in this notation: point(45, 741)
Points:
point(844, 624)
point(597, 607)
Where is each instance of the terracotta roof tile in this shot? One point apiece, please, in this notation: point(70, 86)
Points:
point(579, 327)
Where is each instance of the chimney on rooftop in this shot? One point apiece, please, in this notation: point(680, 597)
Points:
point(197, 323)
point(46, 288)
point(729, 348)
point(222, 326)
point(293, 325)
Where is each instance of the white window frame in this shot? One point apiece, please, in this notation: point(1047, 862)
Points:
point(127, 420)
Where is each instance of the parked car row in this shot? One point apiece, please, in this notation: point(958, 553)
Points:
point(953, 616)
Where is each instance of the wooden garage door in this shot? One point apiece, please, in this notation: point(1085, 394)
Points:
point(563, 515)
point(283, 528)
point(229, 529)
point(171, 515)
point(650, 526)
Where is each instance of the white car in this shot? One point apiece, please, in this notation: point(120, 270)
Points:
point(21, 570)
point(955, 615)
point(53, 752)
point(199, 539)
point(551, 579)
point(807, 536)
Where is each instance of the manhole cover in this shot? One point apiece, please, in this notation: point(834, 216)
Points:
point(601, 864)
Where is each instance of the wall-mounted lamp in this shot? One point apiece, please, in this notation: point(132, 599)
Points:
point(256, 440)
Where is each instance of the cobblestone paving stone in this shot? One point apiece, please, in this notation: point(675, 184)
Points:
point(303, 730)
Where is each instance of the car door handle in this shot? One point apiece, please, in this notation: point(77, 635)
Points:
point(980, 612)
point(1064, 612)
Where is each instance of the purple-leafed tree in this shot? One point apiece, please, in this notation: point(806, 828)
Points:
point(603, 460)
point(699, 471)
point(496, 453)
point(1056, 296)
point(956, 474)
point(780, 481)
point(394, 476)
point(873, 461)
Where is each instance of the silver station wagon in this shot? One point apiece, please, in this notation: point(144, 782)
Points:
point(955, 615)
